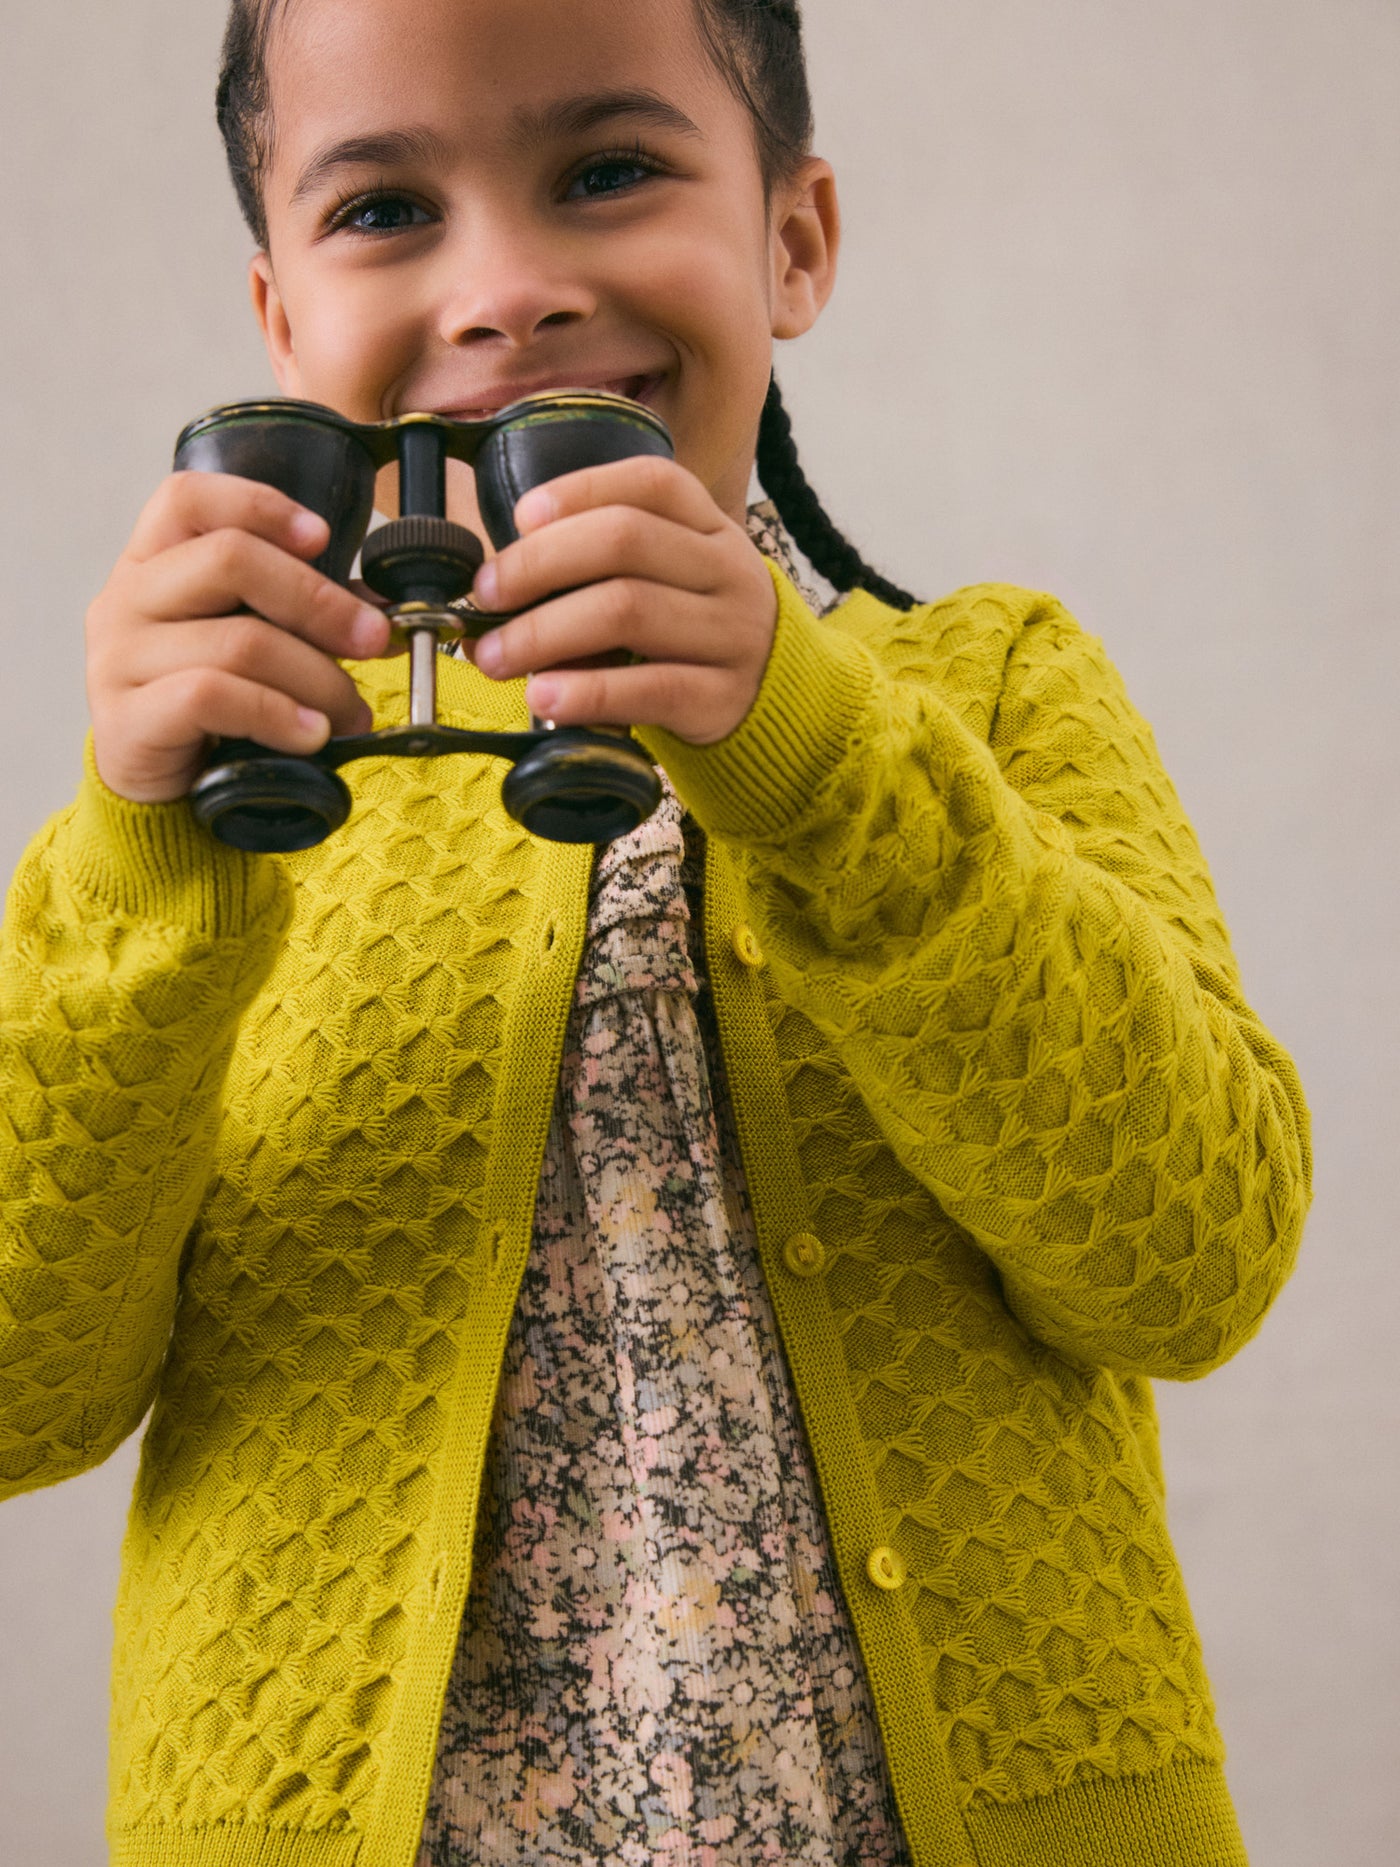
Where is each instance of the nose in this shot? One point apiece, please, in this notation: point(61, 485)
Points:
point(509, 282)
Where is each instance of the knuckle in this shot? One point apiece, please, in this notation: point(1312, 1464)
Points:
point(270, 709)
point(194, 497)
point(620, 603)
point(326, 604)
point(589, 696)
point(670, 690)
point(268, 503)
point(525, 565)
point(654, 473)
point(195, 692)
point(521, 642)
point(241, 643)
point(102, 662)
point(225, 550)
point(110, 617)
point(513, 568)
point(621, 529)
point(181, 491)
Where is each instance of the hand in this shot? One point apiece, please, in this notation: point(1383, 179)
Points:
point(212, 623)
point(648, 564)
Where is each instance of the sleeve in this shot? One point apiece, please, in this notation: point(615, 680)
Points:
point(1010, 938)
point(131, 945)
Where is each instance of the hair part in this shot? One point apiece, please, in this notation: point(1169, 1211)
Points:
point(756, 46)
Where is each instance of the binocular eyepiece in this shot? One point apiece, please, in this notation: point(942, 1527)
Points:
point(568, 784)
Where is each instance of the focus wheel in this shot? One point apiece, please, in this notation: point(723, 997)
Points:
point(420, 557)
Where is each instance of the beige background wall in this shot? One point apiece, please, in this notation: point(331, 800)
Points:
point(1119, 319)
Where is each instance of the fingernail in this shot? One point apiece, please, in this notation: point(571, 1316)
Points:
point(484, 586)
point(541, 697)
point(309, 528)
point(488, 653)
point(368, 632)
point(537, 507)
point(313, 722)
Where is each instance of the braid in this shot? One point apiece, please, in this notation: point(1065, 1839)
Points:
point(827, 550)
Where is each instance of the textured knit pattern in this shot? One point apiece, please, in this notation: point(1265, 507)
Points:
point(655, 1661)
point(996, 1071)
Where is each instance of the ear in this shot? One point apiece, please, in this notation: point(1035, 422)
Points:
point(273, 322)
point(805, 237)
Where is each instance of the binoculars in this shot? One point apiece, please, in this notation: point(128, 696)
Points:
point(567, 784)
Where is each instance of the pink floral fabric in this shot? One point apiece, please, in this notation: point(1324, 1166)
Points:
point(656, 1668)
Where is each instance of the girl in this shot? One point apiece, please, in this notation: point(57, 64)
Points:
point(649, 1358)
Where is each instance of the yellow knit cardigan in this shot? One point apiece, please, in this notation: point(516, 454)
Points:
point(270, 1131)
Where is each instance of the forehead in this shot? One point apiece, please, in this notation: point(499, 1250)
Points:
point(338, 65)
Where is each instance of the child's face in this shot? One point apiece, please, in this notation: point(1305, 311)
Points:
point(544, 196)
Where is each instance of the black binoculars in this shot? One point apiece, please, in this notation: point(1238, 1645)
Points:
point(568, 784)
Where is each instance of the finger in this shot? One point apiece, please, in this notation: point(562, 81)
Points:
point(250, 649)
point(645, 480)
point(607, 541)
point(366, 595)
point(187, 504)
point(223, 571)
point(172, 719)
point(698, 704)
point(623, 614)
point(396, 644)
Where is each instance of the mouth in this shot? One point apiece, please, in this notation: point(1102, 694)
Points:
point(637, 388)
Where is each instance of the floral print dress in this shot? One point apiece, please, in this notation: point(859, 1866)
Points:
point(655, 1667)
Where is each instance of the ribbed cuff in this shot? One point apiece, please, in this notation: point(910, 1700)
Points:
point(155, 862)
point(233, 1844)
point(752, 785)
point(1178, 1817)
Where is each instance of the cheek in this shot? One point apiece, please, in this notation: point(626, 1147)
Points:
point(350, 349)
point(721, 273)
point(710, 281)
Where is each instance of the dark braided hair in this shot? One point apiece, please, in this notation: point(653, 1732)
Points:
point(756, 46)
point(828, 550)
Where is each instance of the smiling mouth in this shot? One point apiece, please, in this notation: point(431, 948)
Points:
point(638, 388)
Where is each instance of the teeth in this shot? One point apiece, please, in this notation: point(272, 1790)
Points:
point(629, 386)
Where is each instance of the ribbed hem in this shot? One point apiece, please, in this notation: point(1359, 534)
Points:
point(1181, 1817)
point(753, 784)
point(231, 1844)
point(155, 862)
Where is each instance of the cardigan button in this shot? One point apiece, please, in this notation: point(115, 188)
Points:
point(886, 1569)
point(805, 1255)
point(746, 948)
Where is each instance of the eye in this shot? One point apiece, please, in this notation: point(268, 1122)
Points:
point(377, 213)
point(613, 172)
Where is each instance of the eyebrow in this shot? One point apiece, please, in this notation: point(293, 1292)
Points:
point(386, 148)
point(576, 115)
point(568, 116)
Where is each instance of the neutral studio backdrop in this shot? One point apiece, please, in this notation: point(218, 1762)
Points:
point(1119, 318)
